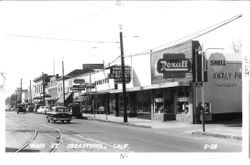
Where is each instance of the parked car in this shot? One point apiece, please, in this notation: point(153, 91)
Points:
point(59, 113)
point(7, 107)
point(46, 109)
point(42, 109)
point(30, 107)
point(21, 108)
point(37, 106)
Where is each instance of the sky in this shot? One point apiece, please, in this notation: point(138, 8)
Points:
point(36, 36)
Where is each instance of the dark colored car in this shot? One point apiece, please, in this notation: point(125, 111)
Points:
point(21, 108)
point(59, 113)
point(30, 107)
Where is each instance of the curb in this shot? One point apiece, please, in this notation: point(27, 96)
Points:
point(218, 135)
point(129, 124)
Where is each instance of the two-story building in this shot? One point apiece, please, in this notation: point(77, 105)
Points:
point(39, 89)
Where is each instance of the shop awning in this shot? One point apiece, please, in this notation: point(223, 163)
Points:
point(41, 97)
point(155, 86)
point(50, 99)
point(80, 98)
point(66, 97)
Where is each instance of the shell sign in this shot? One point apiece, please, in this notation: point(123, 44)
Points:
point(217, 62)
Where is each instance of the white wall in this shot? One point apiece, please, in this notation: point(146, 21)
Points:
point(225, 94)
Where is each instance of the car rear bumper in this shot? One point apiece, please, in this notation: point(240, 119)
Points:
point(60, 118)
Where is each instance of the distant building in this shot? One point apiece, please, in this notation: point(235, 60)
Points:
point(39, 85)
point(25, 96)
point(51, 89)
point(69, 82)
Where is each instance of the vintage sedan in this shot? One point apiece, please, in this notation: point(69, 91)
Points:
point(21, 108)
point(59, 113)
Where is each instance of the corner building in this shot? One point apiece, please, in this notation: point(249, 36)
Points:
point(162, 87)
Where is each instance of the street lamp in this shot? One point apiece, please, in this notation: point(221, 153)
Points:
point(63, 82)
point(203, 69)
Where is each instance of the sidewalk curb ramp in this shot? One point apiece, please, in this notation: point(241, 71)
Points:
point(218, 135)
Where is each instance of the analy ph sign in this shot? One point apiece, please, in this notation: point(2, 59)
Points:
point(173, 65)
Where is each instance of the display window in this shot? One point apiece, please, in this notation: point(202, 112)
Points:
point(158, 101)
point(143, 102)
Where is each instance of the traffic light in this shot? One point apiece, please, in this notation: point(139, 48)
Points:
point(200, 66)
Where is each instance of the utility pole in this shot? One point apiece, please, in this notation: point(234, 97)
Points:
point(116, 101)
point(16, 96)
point(30, 93)
point(125, 117)
point(63, 82)
point(43, 89)
point(21, 91)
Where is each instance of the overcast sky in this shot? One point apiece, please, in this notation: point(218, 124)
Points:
point(34, 34)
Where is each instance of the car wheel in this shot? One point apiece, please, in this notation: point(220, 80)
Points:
point(54, 121)
point(68, 121)
point(62, 121)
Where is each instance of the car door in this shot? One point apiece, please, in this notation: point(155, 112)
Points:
point(49, 113)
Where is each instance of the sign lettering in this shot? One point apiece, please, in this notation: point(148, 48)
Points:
point(173, 65)
point(79, 81)
point(116, 73)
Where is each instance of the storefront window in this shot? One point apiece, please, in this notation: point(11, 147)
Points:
point(143, 102)
point(158, 101)
point(121, 102)
point(112, 103)
point(182, 101)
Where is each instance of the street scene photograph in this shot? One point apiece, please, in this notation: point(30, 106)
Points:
point(122, 77)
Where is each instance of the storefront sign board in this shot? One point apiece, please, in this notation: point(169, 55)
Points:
point(116, 74)
point(79, 81)
point(173, 65)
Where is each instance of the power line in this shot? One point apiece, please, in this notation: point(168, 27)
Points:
point(193, 36)
point(61, 39)
point(112, 61)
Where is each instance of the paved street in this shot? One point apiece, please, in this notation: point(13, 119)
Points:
point(83, 135)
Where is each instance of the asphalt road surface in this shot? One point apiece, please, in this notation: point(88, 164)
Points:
point(29, 132)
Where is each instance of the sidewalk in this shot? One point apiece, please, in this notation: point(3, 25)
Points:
point(224, 130)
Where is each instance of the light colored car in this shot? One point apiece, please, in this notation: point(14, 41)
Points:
point(7, 107)
point(42, 109)
point(59, 113)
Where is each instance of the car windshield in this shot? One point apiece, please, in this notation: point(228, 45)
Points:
point(61, 109)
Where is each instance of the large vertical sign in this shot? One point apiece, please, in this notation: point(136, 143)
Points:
point(173, 63)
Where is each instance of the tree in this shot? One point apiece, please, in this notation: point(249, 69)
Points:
point(2, 80)
point(237, 46)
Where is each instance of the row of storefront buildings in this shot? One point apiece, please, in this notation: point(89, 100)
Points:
point(160, 86)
